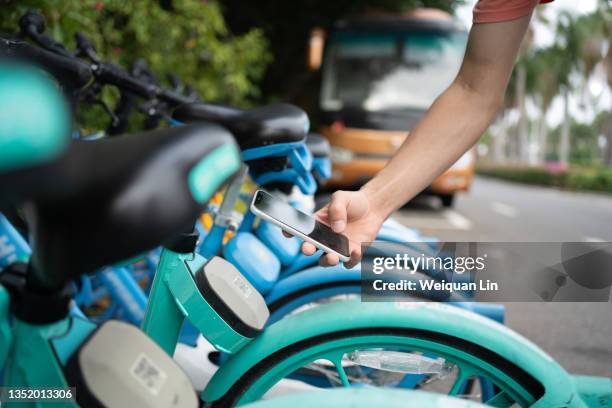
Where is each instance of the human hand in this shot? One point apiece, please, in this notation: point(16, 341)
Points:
point(349, 213)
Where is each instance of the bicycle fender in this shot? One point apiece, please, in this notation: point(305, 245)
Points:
point(433, 317)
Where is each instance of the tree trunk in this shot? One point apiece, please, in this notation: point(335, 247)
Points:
point(607, 158)
point(542, 139)
point(522, 128)
point(499, 136)
point(564, 142)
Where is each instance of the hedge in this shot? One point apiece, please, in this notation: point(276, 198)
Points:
point(575, 178)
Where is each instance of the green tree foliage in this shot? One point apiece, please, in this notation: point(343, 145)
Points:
point(580, 43)
point(584, 149)
point(584, 143)
point(189, 39)
point(287, 25)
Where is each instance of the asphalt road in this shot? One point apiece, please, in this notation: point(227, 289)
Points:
point(577, 335)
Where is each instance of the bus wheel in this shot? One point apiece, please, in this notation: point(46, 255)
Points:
point(447, 199)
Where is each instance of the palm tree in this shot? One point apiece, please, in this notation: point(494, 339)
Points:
point(603, 124)
point(571, 38)
point(520, 93)
point(582, 41)
point(604, 119)
point(543, 84)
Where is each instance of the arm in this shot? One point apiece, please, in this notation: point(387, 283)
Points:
point(448, 129)
point(456, 119)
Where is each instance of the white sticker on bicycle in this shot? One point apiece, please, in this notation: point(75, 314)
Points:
point(148, 374)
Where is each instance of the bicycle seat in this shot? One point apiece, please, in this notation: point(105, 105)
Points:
point(318, 145)
point(105, 201)
point(266, 125)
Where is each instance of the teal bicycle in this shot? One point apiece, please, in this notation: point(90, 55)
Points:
point(166, 177)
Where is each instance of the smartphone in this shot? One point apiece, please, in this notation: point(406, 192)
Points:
point(300, 224)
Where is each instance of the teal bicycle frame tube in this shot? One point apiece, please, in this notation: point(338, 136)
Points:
point(175, 296)
point(163, 318)
point(33, 360)
point(34, 355)
point(6, 334)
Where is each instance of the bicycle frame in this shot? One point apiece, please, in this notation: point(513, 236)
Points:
point(175, 296)
point(46, 347)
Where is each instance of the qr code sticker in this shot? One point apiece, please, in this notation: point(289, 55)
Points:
point(148, 374)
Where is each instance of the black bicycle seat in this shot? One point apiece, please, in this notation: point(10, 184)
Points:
point(108, 200)
point(318, 145)
point(266, 125)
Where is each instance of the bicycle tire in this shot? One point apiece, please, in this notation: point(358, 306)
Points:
point(527, 383)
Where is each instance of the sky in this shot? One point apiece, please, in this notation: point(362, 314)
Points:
point(544, 36)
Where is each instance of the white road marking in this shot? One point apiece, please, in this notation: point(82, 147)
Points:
point(457, 220)
point(441, 220)
point(504, 209)
point(593, 239)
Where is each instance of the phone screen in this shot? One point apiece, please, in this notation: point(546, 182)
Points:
point(302, 222)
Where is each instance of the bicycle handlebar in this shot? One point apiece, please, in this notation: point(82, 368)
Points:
point(33, 25)
point(111, 74)
point(174, 98)
point(68, 71)
point(114, 75)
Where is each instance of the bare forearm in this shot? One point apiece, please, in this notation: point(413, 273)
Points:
point(451, 126)
point(456, 119)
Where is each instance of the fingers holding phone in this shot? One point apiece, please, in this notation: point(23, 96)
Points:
point(349, 213)
point(301, 225)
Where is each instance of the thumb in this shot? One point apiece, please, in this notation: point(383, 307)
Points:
point(340, 201)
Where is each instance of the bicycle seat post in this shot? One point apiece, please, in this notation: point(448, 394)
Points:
point(224, 218)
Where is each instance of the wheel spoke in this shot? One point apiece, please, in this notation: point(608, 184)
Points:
point(459, 384)
point(501, 400)
point(341, 373)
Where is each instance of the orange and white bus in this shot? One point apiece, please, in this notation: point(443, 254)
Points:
point(380, 73)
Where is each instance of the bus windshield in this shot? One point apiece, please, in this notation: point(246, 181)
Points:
point(389, 71)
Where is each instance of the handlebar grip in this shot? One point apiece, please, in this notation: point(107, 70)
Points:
point(68, 71)
point(113, 75)
point(32, 23)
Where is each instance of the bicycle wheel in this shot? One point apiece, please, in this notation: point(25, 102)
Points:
point(318, 374)
point(514, 386)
